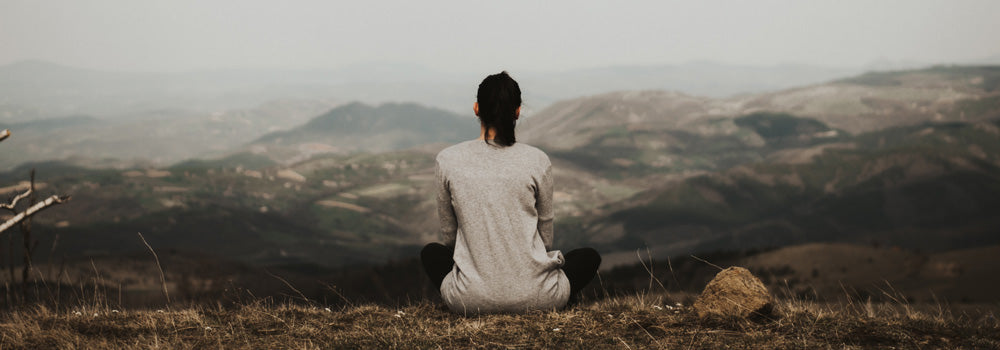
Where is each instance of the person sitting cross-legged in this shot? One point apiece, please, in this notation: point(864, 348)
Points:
point(494, 199)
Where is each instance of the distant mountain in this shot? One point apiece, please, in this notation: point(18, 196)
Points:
point(885, 64)
point(54, 90)
point(991, 60)
point(50, 124)
point(879, 100)
point(36, 73)
point(161, 137)
point(701, 78)
point(359, 127)
point(864, 103)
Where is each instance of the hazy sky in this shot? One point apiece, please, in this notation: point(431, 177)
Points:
point(467, 35)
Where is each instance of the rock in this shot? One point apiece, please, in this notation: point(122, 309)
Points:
point(734, 292)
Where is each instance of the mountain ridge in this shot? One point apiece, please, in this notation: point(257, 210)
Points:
point(358, 127)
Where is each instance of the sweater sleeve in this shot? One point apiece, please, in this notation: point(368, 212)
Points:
point(446, 212)
point(543, 204)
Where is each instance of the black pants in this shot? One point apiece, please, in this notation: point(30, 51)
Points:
point(580, 267)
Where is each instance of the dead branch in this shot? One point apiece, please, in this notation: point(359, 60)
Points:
point(33, 210)
point(13, 202)
point(4, 134)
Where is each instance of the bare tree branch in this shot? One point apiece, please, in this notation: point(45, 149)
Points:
point(24, 219)
point(32, 210)
point(13, 202)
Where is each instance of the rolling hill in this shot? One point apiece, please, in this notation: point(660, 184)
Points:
point(864, 103)
point(922, 190)
point(357, 127)
point(663, 169)
point(906, 159)
point(648, 132)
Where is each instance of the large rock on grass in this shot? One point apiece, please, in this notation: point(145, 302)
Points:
point(734, 292)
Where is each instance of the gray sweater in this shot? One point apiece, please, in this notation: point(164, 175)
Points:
point(495, 206)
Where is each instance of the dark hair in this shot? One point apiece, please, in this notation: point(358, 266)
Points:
point(499, 96)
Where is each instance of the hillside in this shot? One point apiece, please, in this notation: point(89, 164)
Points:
point(244, 208)
point(792, 166)
point(669, 132)
point(677, 174)
point(917, 187)
point(875, 101)
point(367, 207)
point(865, 103)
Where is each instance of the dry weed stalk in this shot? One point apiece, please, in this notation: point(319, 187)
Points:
point(163, 279)
point(289, 285)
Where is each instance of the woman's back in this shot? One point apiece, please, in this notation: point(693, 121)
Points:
point(495, 206)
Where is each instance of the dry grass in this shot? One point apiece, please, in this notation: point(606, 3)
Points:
point(630, 322)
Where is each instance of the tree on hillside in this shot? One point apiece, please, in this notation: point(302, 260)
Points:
point(23, 216)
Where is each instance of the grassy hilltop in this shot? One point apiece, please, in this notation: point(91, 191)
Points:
point(627, 322)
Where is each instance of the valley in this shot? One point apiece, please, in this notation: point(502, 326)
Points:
point(907, 161)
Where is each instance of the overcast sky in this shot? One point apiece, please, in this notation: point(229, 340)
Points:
point(468, 35)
